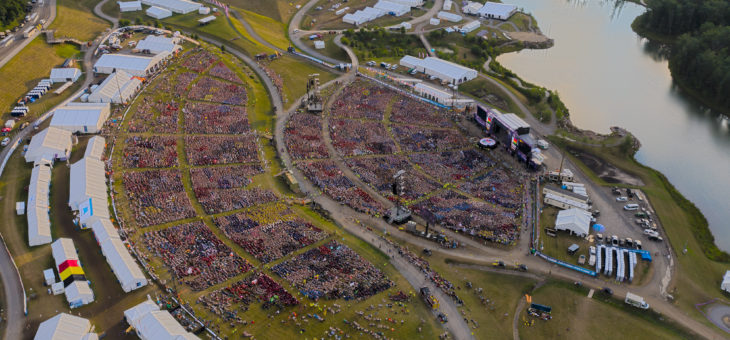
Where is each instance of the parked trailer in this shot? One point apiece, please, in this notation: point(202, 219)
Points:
point(636, 301)
point(632, 264)
point(599, 258)
point(609, 262)
point(619, 266)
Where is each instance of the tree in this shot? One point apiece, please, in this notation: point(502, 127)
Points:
point(223, 48)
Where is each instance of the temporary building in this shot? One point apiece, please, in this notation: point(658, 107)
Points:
point(134, 65)
point(95, 148)
point(392, 8)
point(432, 93)
point(62, 75)
point(87, 180)
point(472, 7)
point(81, 118)
point(445, 70)
point(470, 26)
point(319, 44)
point(127, 271)
point(434, 21)
point(39, 222)
point(57, 288)
point(93, 207)
point(103, 230)
point(20, 208)
point(77, 290)
point(563, 202)
point(410, 3)
point(51, 143)
point(39, 226)
point(49, 277)
point(449, 16)
point(726, 282)
point(447, 5)
point(204, 10)
point(206, 20)
point(151, 323)
point(576, 221)
point(176, 6)
point(158, 12)
point(495, 10)
point(130, 6)
point(117, 88)
point(65, 327)
point(157, 44)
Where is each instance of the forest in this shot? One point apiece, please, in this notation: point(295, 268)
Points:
point(699, 31)
point(11, 10)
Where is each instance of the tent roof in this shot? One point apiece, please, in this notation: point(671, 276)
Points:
point(152, 323)
point(104, 229)
point(69, 117)
point(129, 4)
point(158, 12)
point(575, 220)
point(125, 61)
point(158, 44)
point(95, 148)
point(63, 327)
point(174, 5)
point(79, 290)
point(135, 313)
point(497, 9)
point(63, 249)
point(116, 83)
point(87, 180)
point(121, 262)
point(48, 142)
point(66, 72)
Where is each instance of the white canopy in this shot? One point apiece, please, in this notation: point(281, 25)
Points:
point(92, 207)
point(158, 12)
point(82, 117)
point(177, 6)
point(157, 44)
point(129, 6)
point(117, 88)
point(51, 143)
point(63, 249)
point(497, 10)
point(441, 69)
point(78, 293)
point(726, 282)
point(103, 230)
point(65, 327)
point(123, 265)
point(150, 323)
point(62, 75)
point(95, 148)
point(133, 64)
point(39, 222)
point(577, 221)
point(87, 180)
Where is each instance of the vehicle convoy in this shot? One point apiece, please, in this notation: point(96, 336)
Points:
point(636, 301)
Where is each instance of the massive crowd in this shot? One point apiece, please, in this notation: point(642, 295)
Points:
point(361, 100)
point(210, 150)
point(214, 90)
point(414, 138)
point(409, 111)
point(195, 255)
point(224, 177)
point(354, 138)
point(498, 187)
point(150, 152)
point(477, 218)
point(182, 83)
point(451, 166)
point(222, 71)
point(199, 61)
point(303, 136)
point(157, 196)
point(333, 271)
point(272, 241)
point(220, 200)
point(378, 172)
point(328, 177)
point(208, 118)
point(256, 288)
point(148, 118)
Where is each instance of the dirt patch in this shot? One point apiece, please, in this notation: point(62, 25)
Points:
point(606, 171)
point(719, 314)
point(528, 37)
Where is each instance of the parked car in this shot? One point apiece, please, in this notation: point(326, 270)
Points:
point(582, 259)
point(650, 232)
point(655, 238)
point(592, 260)
point(630, 207)
point(599, 237)
point(607, 291)
point(573, 249)
point(5, 141)
point(614, 240)
point(621, 199)
point(592, 250)
point(637, 244)
point(629, 242)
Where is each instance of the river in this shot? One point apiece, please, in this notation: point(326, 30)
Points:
point(608, 76)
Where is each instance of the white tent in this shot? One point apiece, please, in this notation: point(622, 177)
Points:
point(39, 222)
point(84, 118)
point(77, 290)
point(63, 250)
point(392, 8)
point(123, 265)
point(49, 277)
point(117, 88)
point(95, 148)
point(726, 282)
point(51, 143)
point(441, 69)
point(470, 26)
point(78, 293)
point(87, 180)
point(432, 93)
point(176, 6)
point(447, 5)
point(150, 323)
point(91, 208)
point(472, 8)
point(129, 6)
point(65, 327)
point(495, 10)
point(449, 16)
point(158, 12)
point(319, 44)
point(103, 230)
point(204, 10)
point(157, 44)
point(577, 221)
point(62, 75)
point(135, 65)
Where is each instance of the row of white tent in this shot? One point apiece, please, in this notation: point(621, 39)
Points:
point(77, 289)
point(381, 8)
point(606, 256)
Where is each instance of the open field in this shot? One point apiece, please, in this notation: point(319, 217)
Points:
point(267, 28)
point(280, 10)
point(698, 278)
point(18, 79)
point(575, 316)
point(482, 89)
point(76, 19)
point(330, 49)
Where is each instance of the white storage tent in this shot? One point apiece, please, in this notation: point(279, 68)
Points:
point(95, 148)
point(87, 180)
point(472, 8)
point(432, 93)
point(51, 143)
point(157, 44)
point(63, 250)
point(78, 293)
point(576, 221)
point(65, 327)
point(204, 10)
point(449, 16)
point(83, 118)
point(158, 12)
point(151, 323)
point(135, 65)
point(495, 10)
point(176, 6)
point(447, 5)
point(319, 44)
point(91, 208)
point(445, 70)
point(39, 222)
point(434, 21)
point(62, 75)
point(726, 282)
point(117, 88)
point(470, 26)
point(410, 3)
point(123, 265)
point(130, 6)
point(392, 8)
point(77, 290)
point(103, 230)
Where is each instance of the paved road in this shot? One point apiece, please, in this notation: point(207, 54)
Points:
point(46, 12)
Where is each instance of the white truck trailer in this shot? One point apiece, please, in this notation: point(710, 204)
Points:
point(636, 301)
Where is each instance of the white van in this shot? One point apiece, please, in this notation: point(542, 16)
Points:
point(631, 207)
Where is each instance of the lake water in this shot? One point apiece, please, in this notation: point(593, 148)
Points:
point(608, 76)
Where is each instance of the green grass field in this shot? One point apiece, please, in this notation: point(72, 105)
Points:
point(279, 10)
point(76, 19)
point(274, 32)
point(330, 49)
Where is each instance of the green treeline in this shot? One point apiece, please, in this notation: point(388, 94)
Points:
point(379, 43)
point(11, 10)
point(700, 34)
